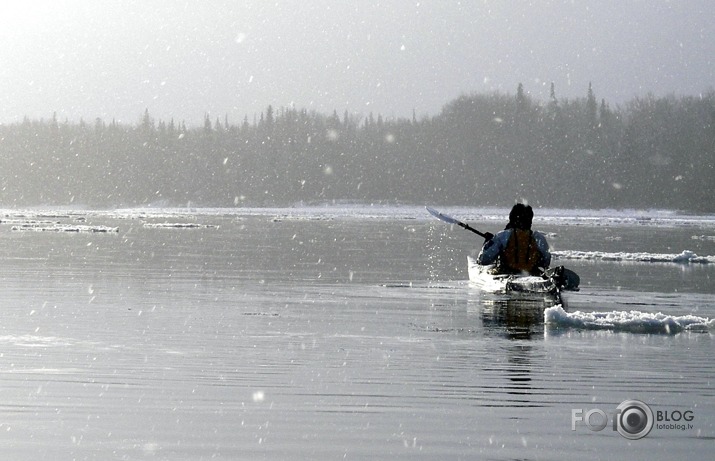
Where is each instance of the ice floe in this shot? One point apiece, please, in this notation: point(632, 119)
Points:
point(178, 225)
point(627, 321)
point(71, 228)
point(329, 211)
point(684, 257)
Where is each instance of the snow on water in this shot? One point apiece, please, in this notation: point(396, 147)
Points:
point(684, 257)
point(627, 321)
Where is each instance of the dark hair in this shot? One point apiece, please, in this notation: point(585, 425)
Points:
point(520, 217)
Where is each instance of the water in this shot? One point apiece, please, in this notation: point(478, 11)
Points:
point(339, 333)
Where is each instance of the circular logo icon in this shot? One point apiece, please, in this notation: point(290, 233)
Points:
point(635, 419)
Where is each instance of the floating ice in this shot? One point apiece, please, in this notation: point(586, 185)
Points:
point(685, 257)
point(178, 225)
point(291, 217)
point(73, 228)
point(630, 321)
point(351, 210)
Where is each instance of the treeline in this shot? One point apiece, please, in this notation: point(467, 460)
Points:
point(482, 149)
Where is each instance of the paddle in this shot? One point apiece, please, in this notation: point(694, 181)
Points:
point(451, 220)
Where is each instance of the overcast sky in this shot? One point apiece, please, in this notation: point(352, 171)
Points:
point(183, 59)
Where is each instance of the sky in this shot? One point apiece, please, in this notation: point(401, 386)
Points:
point(183, 60)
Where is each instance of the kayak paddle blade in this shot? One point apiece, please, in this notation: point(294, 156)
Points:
point(441, 216)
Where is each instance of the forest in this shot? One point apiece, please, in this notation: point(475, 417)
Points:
point(480, 150)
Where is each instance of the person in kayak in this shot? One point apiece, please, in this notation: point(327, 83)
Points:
point(517, 249)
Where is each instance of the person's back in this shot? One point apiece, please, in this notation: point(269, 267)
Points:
point(521, 253)
point(517, 249)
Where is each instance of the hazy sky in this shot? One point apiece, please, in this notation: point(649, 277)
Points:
point(183, 59)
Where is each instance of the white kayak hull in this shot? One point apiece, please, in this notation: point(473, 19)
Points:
point(483, 277)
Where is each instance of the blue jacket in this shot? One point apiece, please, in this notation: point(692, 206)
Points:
point(494, 247)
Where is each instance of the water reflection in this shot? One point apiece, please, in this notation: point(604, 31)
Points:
point(519, 371)
point(514, 318)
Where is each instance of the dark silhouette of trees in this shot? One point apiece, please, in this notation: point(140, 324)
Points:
point(481, 149)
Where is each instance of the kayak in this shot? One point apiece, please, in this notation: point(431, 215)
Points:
point(551, 282)
point(484, 278)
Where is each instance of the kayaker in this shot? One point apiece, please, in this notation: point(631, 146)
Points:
point(517, 249)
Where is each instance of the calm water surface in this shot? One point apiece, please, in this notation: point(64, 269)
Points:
point(280, 337)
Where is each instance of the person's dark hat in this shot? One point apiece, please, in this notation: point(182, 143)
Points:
point(520, 217)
